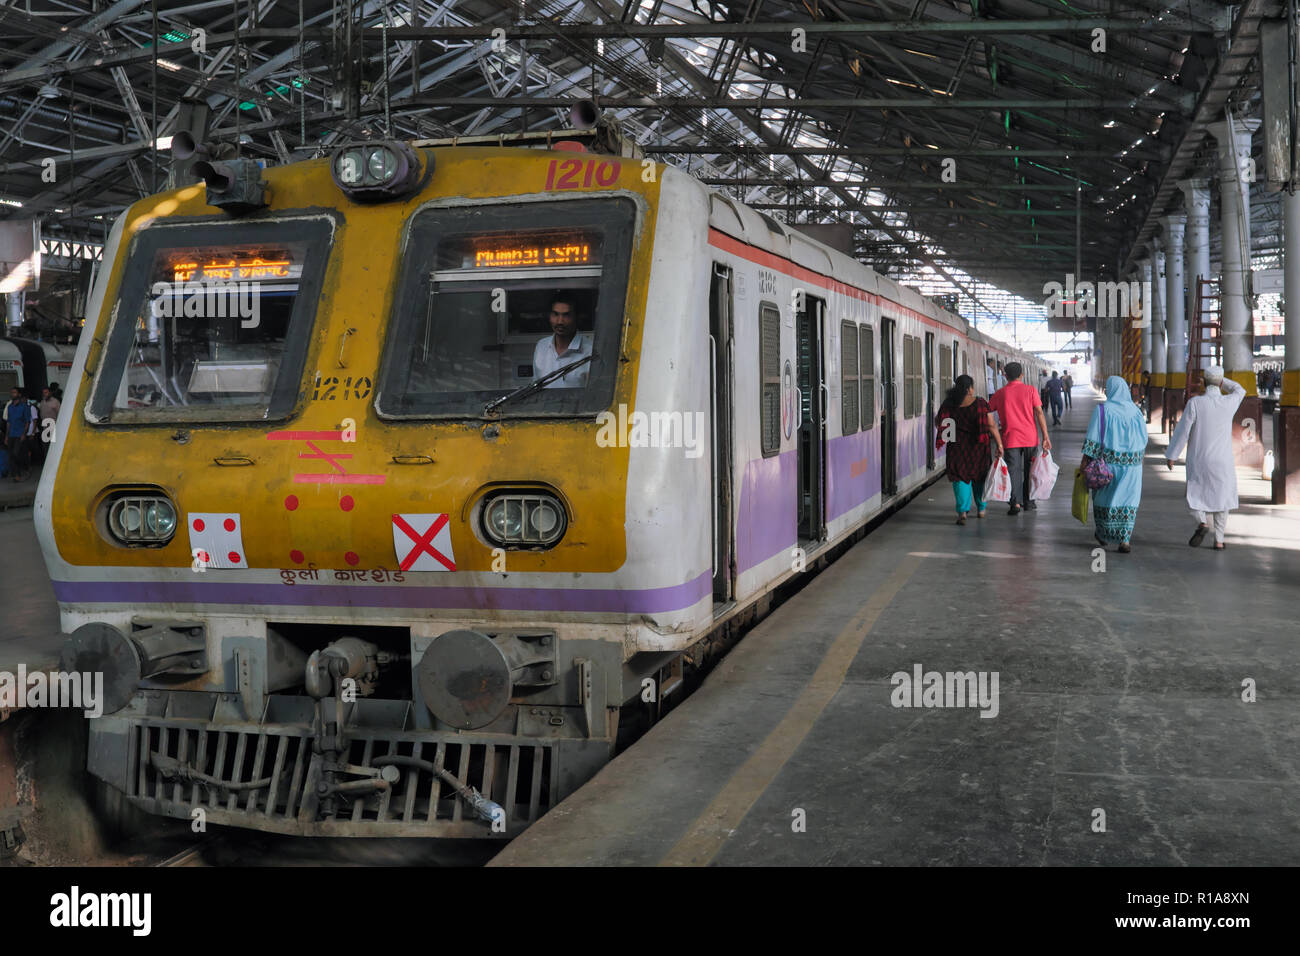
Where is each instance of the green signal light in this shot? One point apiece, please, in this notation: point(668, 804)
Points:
point(246, 105)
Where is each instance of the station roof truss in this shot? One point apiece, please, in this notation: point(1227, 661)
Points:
point(973, 146)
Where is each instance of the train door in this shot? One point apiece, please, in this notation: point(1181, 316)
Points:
point(888, 410)
point(929, 400)
point(721, 351)
point(811, 444)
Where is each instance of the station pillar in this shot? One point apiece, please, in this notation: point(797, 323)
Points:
point(1233, 139)
point(1175, 318)
point(1286, 418)
point(1159, 351)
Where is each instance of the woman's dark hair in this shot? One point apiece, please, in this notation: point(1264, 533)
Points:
point(959, 390)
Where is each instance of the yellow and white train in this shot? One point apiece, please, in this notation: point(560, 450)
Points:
point(349, 572)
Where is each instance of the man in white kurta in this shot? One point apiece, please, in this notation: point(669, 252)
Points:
point(1206, 430)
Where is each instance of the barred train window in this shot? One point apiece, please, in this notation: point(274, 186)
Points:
point(849, 374)
point(769, 350)
point(909, 372)
point(918, 378)
point(945, 367)
point(867, 374)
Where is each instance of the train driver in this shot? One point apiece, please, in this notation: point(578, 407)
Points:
point(564, 347)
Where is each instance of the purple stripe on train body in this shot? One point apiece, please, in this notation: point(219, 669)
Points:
point(911, 446)
point(844, 492)
point(648, 601)
point(766, 509)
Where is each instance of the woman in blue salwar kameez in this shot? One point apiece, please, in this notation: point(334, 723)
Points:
point(1123, 448)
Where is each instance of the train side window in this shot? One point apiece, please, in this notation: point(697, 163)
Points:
point(769, 352)
point(867, 374)
point(849, 374)
point(945, 366)
point(918, 377)
point(909, 373)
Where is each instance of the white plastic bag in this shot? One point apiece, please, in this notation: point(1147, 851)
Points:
point(1042, 476)
point(997, 485)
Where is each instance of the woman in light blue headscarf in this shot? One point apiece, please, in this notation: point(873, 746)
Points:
point(1121, 444)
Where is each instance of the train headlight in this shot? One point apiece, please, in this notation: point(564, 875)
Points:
point(141, 520)
point(524, 520)
point(375, 172)
point(160, 519)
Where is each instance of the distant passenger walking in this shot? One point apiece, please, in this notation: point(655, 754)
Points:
point(974, 433)
point(1067, 383)
point(1206, 430)
point(1055, 389)
point(1118, 436)
point(19, 415)
point(49, 412)
point(1023, 426)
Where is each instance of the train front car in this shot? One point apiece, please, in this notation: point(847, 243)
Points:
point(346, 569)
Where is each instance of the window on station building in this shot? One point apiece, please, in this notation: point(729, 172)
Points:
point(849, 374)
point(769, 349)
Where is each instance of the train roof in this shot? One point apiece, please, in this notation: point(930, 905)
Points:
point(754, 228)
point(9, 352)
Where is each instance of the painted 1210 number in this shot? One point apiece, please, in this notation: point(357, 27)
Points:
point(581, 174)
point(326, 388)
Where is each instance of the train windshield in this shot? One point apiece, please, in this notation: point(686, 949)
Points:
point(496, 298)
point(212, 322)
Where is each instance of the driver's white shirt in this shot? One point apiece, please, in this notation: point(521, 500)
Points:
point(545, 361)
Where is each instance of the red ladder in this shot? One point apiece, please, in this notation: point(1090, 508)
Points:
point(1204, 335)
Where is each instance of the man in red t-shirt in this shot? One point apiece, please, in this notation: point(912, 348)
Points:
point(1023, 424)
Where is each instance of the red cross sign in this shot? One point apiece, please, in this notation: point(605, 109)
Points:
point(423, 542)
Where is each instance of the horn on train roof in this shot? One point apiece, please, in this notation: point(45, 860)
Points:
point(584, 114)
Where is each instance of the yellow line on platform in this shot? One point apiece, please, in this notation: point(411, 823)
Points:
point(704, 838)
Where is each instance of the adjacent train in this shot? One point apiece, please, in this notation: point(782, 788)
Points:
point(352, 564)
point(30, 364)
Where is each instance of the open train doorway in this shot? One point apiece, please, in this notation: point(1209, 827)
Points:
point(929, 401)
point(888, 411)
point(811, 443)
point(721, 376)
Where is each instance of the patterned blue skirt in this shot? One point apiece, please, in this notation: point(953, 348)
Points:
point(1115, 507)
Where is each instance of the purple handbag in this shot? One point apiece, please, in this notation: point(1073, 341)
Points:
point(1097, 474)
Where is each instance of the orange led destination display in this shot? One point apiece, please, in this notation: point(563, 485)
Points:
point(564, 254)
point(233, 269)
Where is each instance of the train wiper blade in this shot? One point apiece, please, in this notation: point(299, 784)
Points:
point(534, 386)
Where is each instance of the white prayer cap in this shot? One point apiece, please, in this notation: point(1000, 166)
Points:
point(1214, 375)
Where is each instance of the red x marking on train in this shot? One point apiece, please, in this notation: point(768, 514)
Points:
point(423, 542)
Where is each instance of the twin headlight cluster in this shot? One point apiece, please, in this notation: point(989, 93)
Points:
point(375, 172)
point(136, 520)
point(523, 520)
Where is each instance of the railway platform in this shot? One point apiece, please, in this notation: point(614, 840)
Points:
point(29, 616)
point(1144, 714)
